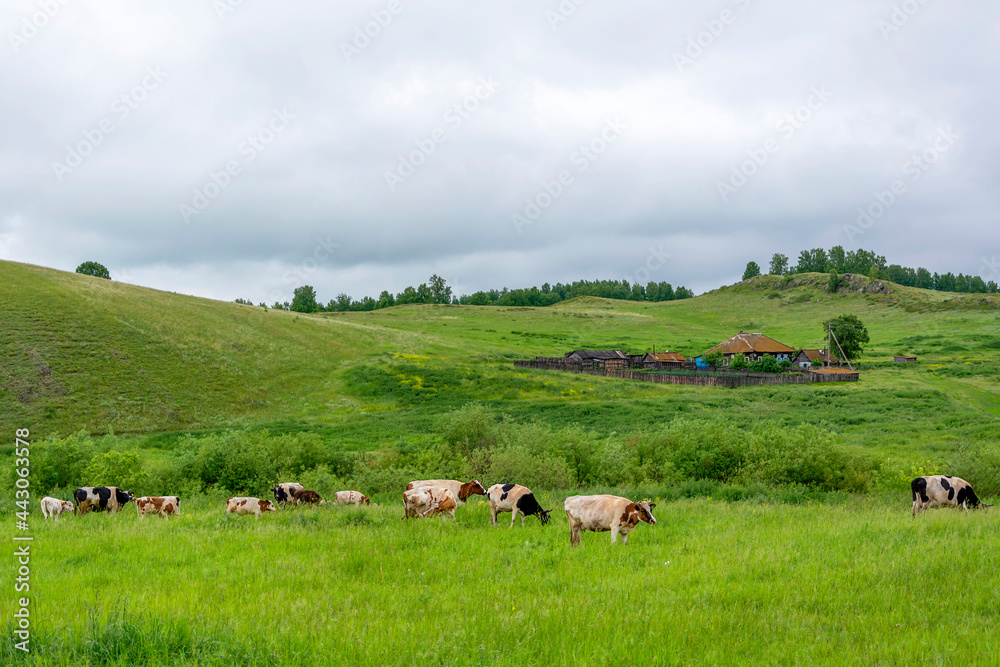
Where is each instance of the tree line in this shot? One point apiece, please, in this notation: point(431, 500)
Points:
point(838, 261)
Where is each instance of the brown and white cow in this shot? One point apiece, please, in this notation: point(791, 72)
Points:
point(515, 499)
point(461, 490)
point(351, 498)
point(936, 490)
point(244, 505)
point(306, 496)
point(603, 513)
point(165, 506)
point(99, 498)
point(283, 492)
point(53, 507)
point(429, 501)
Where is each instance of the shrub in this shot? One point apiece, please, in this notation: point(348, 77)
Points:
point(766, 364)
point(469, 428)
point(59, 463)
point(715, 359)
point(816, 363)
point(115, 468)
point(738, 362)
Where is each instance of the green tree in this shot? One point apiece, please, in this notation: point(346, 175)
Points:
point(834, 282)
point(94, 269)
point(304, 300)
point(752, 271)
point(851, 333)
point(715, 359)
point(738, 362)
point(766, 364)
point(779, 264)
point(440, 290)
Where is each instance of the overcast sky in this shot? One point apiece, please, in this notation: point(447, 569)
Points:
point(243, 148)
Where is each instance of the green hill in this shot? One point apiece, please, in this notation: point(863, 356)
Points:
point(82, 352)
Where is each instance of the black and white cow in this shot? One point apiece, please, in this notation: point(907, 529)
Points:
point(515, 499)
point(283, 493)
point(938, 490)
point(99, 498)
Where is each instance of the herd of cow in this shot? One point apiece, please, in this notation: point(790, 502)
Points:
point(433, 497)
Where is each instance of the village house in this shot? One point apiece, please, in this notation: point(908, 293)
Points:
point(805, 358)
point(754, 346)
point(599, 358)
point(662, 360)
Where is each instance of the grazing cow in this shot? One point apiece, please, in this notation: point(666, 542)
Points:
point(165, 506)
point(98, 498)
point(307, 496)
point(53, 507)
point(937, 490)
point(515, 499)
point(351, 498)
point(460, 490)
point(602, 513)
point(283, 492)
point(428, 501)
point(255, 506)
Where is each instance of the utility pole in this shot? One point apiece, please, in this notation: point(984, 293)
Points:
point(843, 356)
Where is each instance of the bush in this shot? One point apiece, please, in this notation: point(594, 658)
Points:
point(816, 363)
point(59, 463)
point(471, 427)
point(766, 364)
point(115, 468)
point(738, 362)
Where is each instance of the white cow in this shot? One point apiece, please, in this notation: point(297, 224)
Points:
point(53, 507)
point(243, 505)
point(429, 501)
point(351, 498)
point(604, 513)
point(165, 506)
point(461, 490)
point(937, 490)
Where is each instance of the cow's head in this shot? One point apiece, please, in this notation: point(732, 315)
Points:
point(123, 497)
point(267, 506)
point(67, 506)
point(645, 511)
point(543, 515)
point(473, 488)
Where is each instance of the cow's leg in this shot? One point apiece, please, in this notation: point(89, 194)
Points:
point(513, 517)
point(493, 514)
point(524, 517)
point(614, 532)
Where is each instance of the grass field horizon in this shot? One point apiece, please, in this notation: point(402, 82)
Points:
point(746, 565)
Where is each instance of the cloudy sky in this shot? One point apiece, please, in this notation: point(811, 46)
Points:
point(240, 148)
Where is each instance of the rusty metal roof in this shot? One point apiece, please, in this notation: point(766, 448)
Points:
point(751, 342)
point(821, 355)
point(667, 356)
point(597, 354)
point(832, 371)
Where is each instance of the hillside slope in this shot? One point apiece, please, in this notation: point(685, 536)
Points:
point(81, 352)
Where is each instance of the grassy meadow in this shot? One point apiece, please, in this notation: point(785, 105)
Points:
point(784, 534)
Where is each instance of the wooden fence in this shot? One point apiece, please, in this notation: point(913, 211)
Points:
point(729, 379)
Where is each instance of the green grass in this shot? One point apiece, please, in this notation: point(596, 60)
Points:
point(712, 582)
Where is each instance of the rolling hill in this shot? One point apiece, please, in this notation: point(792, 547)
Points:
point(85, 353)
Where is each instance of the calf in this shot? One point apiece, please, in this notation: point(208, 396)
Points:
point(460, 490)
point(53, 507)
point(515, 499)
point(306, 496)
point(243, 505)
point(165, 506)
point(99, 498)
point(283, 492)
point(937, 490)
point(351, 498)
point(603, 513)
point(429, 501)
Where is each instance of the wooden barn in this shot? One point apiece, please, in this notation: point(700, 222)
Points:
point(662, 360)
point(599, 358)
point(903, 359)
point(805, 358)
point(754, 345)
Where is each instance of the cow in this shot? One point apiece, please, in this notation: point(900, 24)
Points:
point(515, 499)
point(428, 501)
point(243, 505)
point(283, 492)
point(165, 506)
point(937, 490)
point(460, 490)
point(53, 507)
point(351, 498)
point(307, 496)
point(98, 498)
point(602, 513)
